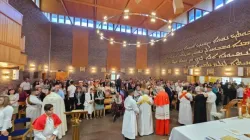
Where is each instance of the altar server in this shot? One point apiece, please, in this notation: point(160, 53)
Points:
point(185, 111)
point(46, 126)
point(58, 109)
point(129, 126)
point(145, 122)
point(162, 113)
point(211, 105)
point(34, 106)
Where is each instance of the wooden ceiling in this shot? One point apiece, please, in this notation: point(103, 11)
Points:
point(97, 9)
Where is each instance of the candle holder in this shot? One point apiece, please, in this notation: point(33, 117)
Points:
point(247, 106)
point(240, 113)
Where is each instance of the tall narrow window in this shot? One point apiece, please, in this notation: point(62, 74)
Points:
point(118, 28)
point(139, 31)
point(158, 34)
point(85, 22)
point(104, 26)
point(174, 26)
point(154, 34)
point(178, 26)
point(198, 13)
point(67, 21)
point(91, 23)
point(218, 4)
point(191, 16)
point(38, 3)
point(123, 28)
point(135, 30)
point(61, 19)
point(128, 29)
point(144, 32)
point(110, 27)
point(54, 18)
point(78, 21)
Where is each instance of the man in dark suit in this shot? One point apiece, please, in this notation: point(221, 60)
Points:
point(170, 94)
point(118, 84)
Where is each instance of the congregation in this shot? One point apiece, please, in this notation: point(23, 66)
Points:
point(136, 99)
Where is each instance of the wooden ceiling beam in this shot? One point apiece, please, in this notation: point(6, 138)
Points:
point(66, 11)
point(95, 9)
point(185, 3)
point(123, 11)
point(94, 5)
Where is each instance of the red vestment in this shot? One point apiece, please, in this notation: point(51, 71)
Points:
point(246, 95)
point(162, 126)
point(40, 122)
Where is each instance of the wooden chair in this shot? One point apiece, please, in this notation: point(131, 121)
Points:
point(22, 111)
point(21, 133)
point(107, 104)
point(5, 138)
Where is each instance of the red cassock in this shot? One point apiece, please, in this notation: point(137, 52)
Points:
point(246, 95)
point(40, 122)
point(162, 126)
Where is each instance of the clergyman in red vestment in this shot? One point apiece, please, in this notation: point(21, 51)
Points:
point(162, 113)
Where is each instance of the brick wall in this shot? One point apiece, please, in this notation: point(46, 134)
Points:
point(62, 53)
point(36, 29)
point(222, 22)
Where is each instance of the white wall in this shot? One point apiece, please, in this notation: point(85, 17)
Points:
point(205, 5)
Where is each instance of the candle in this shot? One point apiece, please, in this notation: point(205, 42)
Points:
point(240, 112)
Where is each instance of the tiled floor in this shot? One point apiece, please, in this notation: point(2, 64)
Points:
point(105, 129)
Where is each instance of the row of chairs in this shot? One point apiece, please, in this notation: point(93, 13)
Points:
point(19, 133)
point(23, 132)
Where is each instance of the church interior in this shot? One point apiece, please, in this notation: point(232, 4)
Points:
point(124, 69)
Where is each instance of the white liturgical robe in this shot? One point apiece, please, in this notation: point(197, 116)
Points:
point(145, 121)
point(185, 110)
point(89, 103)
point(129, 125)
point(59, 109)
point(48, 131)
point(211, 106)
point(33, 109)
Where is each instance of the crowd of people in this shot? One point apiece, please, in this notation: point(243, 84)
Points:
point(130, 97)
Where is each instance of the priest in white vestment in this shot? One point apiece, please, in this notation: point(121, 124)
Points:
point(46, 127)
point(185, 110)
point(211, 105)
point(129, 125)
point(34, 105)
point(59, 109)
point(145, 121)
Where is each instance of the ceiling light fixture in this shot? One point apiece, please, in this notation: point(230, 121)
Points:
point(153, 17)
point(111, 41)
point(124, 44)
point(152, 42)
point(126, 15)
point(138, 44)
